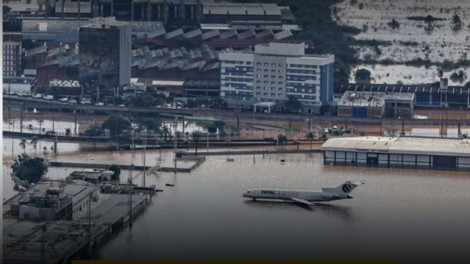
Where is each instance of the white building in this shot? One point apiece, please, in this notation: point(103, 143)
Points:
point(275, 71)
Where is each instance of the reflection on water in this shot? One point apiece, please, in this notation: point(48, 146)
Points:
point(343, 212)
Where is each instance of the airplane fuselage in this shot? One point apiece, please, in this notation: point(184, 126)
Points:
point(290, 195)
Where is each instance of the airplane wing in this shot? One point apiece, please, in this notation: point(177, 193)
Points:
point(301, 201)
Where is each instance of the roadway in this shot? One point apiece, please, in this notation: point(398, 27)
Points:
point(219, 114)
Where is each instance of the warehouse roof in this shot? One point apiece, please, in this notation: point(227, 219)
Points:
point(401, 145)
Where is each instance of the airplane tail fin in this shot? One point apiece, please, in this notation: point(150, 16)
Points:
point(345, 188)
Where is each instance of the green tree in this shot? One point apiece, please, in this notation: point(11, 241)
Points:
point(116, 125)
point(142, 100)
point(281, 140)
point(196, 135)
point(394, 24)
point(297, 144)
point(219, 124)
point(310, 137)
point(93, 131)
point(6, 9)
point(166, 133)
point(23, 143)
point(150, 123)
point(117, 171)
point(362, 74)
point(34, 142)
point(456, 22)
point(292, 104)
point(29, 169)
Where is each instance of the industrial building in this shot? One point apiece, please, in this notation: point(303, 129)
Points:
point(376, 105)
point(437, 94)
point(12, 54)
point(105, 53)
point(172, 13)
point(275, 71)
point(400, 152)
point(45, 202)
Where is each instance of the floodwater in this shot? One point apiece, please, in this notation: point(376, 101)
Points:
point(403, 215)
point(392, 74)
point(414, 39)
point(406, 215)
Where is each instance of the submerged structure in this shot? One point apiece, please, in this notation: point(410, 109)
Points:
point(401, 152)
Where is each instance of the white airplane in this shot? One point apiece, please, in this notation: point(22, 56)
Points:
point(305, 197)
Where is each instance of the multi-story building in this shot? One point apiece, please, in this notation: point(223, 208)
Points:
point(276, 71)
point(105, 53)
point(12, 54)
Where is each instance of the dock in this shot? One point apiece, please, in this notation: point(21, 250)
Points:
point(61, 241)
point(184, 164)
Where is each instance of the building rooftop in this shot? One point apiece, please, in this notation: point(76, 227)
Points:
point(372, 99)
point(400, 88)
point(401, 145)
point(241, 9)
point(107, 22)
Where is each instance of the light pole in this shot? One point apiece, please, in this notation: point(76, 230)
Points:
point(176, 146)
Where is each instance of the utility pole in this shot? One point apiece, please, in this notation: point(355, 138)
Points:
point(145, 143)
point(44, 229)
point(75, 123)
point(129, 181)
point(89, 225)
point(21, 119)
point(176, 146)
point(9, 117)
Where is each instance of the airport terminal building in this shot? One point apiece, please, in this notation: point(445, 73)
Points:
point(398, 152)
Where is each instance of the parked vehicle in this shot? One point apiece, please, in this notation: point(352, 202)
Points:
point(48, 97)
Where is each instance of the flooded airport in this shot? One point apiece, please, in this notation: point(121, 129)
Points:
point(407, 215)
point(399, 214)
